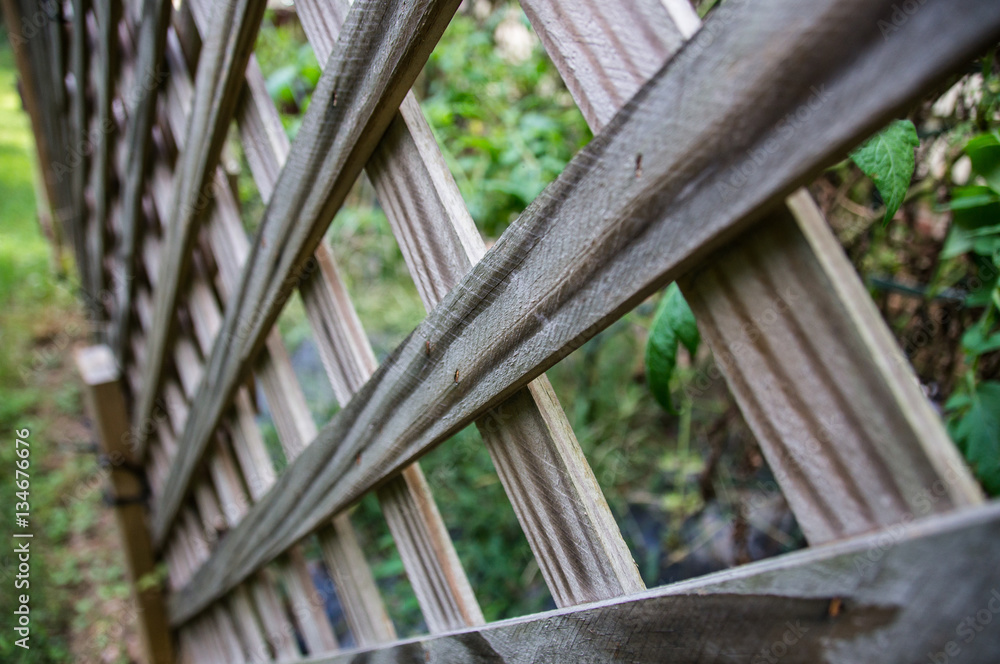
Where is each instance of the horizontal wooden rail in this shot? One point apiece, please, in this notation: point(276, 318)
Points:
point(923, 594)
point(601, 238)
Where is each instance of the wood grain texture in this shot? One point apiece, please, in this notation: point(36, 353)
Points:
point(219, 80)
point(557, 499)
point(106, 404)
point(867, 599)
point(552, 489)
point(108, 14)
point(597, 241)
point(263, 587)
point(150, 41)
point(439, 582)
point(841, 418)
point(380, 51)
point(842, 471)
point(313, 625)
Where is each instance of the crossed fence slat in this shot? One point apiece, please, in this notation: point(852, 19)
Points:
point(678, 113)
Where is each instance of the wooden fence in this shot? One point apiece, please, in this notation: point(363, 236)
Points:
point(702, 135)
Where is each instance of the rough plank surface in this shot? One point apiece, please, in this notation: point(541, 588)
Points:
point(379, 54)
point(106, 404)
point(597, 242)
point(926, 593)
point(205, 313)
point(552, 489)
point(846, 429)
point(838, 466)
point(147, 75)
point(219, 80)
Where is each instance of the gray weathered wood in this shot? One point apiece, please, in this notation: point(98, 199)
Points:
point(79, 111)
point(228, 244)
point(841, 470)
point(553, 491)
point(919, 593)
point(351, 106)
point(221, 68)
point(108, 14)
point(150, 40)
point(595, 243)
point(834, 403)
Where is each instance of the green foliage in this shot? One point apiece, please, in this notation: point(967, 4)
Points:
point(507, 126)
point(888, 159)
point(975, 428)
point(290, 67)
point(673, 324)
point(974, 410)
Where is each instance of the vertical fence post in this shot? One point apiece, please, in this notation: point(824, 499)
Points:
point(106, 406)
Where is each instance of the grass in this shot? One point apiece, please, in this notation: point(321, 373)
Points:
point(77, 587)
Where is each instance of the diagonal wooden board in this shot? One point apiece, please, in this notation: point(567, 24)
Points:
point(350, 108)
point(840, 417)
point(596, 242)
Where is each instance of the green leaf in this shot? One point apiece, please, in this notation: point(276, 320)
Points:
point(673, 324)
point(984, 151)
point(976, 431)
point(888, 159)
point(976, 341)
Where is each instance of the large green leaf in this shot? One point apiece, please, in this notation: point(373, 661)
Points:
point(976, 430)
point(888, 159)
point(673, 324)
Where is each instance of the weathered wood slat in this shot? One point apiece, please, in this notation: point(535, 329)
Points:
point(848, 433)
point(106, 403)
point(221, 68)
point(553, 491)
point(927, 589)
point(108, 14)
point(439, 582)
point(354, 101)
point(839, 467)
point(357, 591)
point(262, 586)
point(596, 242)
point(79, 112)
point(150, 42)
point(315, 628)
